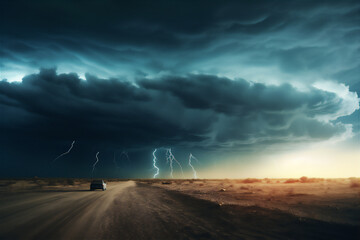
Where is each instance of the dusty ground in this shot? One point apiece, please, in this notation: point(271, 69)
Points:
point(31, 209)
point(329, 200)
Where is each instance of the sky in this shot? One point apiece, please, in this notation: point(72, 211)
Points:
point(250, 88)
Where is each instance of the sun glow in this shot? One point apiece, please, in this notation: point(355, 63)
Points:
point(322, 163)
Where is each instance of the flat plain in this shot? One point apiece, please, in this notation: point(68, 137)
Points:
point(302, 208)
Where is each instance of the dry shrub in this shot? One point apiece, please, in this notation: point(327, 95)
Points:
point(251, 180)
point(304, 179)
point(292, 180)
point(355, 183)
point(310, 180)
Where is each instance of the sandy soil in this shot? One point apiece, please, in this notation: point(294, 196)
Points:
point(152, 210)
point(329, 200)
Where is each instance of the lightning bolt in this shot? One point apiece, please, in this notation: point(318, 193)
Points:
point(67, 152)
point(154, 164)
point(194, 171)
point(169, 159)
point(97, 159)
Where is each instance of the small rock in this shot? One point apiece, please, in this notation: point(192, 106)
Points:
point(222, 190)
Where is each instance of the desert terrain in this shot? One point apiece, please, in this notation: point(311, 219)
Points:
point(302, 208)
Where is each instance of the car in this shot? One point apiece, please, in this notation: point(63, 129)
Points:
point(98, 184)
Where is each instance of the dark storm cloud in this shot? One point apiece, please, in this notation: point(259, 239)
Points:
point(111, 38)
point(162, 22)
point(171, 73)
point(200, 110)
point(241, 97)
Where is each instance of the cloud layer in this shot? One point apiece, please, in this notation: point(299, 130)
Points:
point(236, 76)
point(191, 110)
point(261, 41)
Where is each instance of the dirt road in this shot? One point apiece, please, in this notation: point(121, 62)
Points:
point(128, 210)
